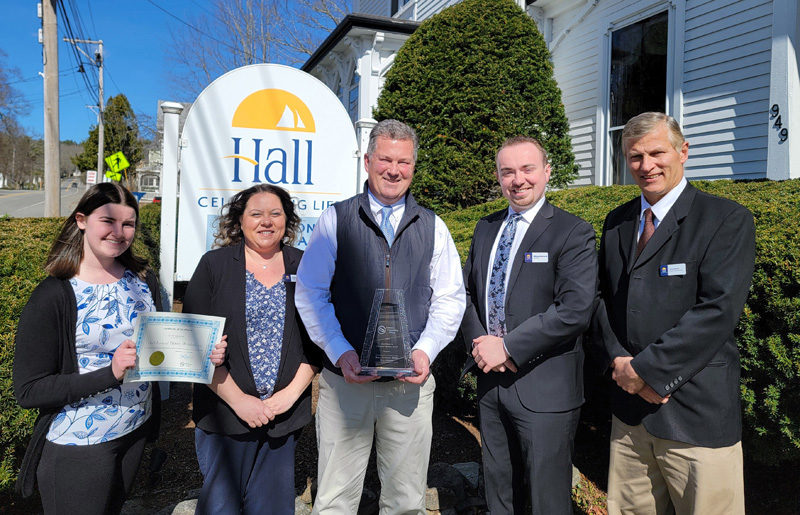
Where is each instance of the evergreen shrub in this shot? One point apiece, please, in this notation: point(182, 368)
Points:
point(24, 244)
point(768, 332)
point(467, 79)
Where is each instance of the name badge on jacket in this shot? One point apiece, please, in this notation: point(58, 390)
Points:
point(290, 278)
point(536, 257)
point(674, 269)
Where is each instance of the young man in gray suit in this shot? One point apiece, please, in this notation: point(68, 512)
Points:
point(675, 271)
point(531, 280)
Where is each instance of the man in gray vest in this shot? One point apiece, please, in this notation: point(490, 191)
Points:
point(378, 239)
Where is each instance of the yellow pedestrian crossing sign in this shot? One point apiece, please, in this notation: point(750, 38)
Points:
point(117, 162)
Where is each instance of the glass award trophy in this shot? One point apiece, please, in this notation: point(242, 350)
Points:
point(387, 344)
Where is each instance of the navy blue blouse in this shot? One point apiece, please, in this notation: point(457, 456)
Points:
point(265, 313)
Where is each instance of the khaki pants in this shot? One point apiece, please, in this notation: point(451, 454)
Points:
point(648, 475)
point(398, 415)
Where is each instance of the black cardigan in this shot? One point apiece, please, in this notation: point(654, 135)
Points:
point(46, 365)
point(217, 288)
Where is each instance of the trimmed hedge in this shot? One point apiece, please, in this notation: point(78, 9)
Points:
point(768, 331)
point(467, 79)
point(769, 328)
point(24, 244)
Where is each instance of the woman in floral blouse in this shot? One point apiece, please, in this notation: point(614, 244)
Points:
point(72, 349)
point(249, 417)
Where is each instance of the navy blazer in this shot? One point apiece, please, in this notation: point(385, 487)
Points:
point(217, 288)
point(548, 305)
point(678, 323)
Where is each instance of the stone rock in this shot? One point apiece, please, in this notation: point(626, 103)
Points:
point(439, 498)
point(576, 476)
point(186, 507)
point(443, 475)
point(471, 472)
point(307, 495)
point(301, 507)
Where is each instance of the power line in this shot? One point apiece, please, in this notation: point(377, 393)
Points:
point(91, 17)
point(30, 102)
point(108, 71)
point(38, 77)
point(67, 26)
point(199, 31)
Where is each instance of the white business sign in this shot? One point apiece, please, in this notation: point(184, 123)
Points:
point(261, 124)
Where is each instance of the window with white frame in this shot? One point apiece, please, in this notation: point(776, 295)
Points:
point(149, 182)
point(397, 5)
point(638, 81)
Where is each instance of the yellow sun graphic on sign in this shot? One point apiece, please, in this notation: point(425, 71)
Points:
point(274, 109)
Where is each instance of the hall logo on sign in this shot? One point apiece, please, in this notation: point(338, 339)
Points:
point(272, 139)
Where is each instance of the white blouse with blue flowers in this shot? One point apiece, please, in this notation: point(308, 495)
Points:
point(106, 313)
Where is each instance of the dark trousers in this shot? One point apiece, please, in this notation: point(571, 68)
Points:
point(526, 453)
point(90, 479)
point(250, 473)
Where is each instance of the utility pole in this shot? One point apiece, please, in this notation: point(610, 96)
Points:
point(100, 122)
point(97, 60)
point(52, 177)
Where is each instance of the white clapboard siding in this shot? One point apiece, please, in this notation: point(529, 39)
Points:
point(374, 7)
point(427, 8)
point(725, 78)
point(583, 146)
point(726, 87)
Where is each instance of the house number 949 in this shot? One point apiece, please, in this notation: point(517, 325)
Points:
point(775, 114)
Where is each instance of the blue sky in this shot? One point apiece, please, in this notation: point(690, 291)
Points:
point(136, 40)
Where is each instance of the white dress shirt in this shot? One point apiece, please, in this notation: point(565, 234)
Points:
point(314, 275)
point(522, 227)
point(662, 207)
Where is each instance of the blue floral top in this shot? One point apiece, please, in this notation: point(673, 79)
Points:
point(105, 319)
point(265, 312)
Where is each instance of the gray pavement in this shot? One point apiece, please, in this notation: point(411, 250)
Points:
point(30, 203)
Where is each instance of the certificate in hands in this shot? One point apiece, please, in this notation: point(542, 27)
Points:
point(175, 347)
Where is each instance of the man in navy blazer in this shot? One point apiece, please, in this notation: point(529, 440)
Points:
point(675, 271)
point(531, 281)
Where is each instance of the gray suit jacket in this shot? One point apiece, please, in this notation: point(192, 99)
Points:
point(548, 306)
point(678, 322)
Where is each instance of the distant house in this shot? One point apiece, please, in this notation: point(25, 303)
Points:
point(726, 69)
point(149, 176)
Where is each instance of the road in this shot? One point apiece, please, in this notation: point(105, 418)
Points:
point(30, 203)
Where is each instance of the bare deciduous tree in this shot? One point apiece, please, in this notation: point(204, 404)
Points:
point(20, 155)
point(234, 33)
point(12, 103)
point(313, 21)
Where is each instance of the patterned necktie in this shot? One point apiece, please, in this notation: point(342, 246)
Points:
point(386, 224)
point(647, 232)
point(497, 286)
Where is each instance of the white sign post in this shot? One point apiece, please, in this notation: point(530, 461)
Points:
point(261, 124)
point(169, 191)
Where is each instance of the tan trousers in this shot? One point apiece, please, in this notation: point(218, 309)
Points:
point(398, 415)
point(648, 475)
